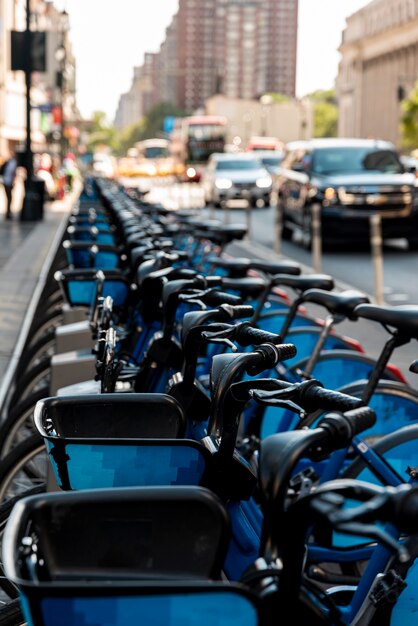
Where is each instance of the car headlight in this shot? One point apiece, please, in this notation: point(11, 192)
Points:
point(264, 182)
point(223, 183)
point(330, 194)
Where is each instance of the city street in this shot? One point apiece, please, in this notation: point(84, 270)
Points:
point(351, 267)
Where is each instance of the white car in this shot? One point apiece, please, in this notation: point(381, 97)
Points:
point(236, 176)
point(103, 165)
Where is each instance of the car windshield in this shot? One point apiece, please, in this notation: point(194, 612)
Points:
point(237, 164)
point(355, 159)
point(272, 161)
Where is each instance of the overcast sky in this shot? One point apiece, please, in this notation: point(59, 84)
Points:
point(110, 38)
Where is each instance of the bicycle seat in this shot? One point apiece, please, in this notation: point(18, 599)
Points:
point(247, 287)
point(201, 224)
point(236, 267)
point(305, 282)
point(342, 303)
point(404, 317)
point(227, 234)
point(275, 267)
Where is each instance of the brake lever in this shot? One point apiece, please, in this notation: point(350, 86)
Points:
point(370, 530)
point(280, 402)
point(221, 336)
point(194, 298)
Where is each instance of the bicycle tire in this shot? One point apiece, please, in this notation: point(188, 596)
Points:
point(30, 380)
point(6, 586)
point(44, 321)
point(11, 614)
point(54, 322)
point(21, 470)
point(32, 353)
point(18, 417)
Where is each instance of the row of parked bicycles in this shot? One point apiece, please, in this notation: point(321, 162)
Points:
point(184, 443)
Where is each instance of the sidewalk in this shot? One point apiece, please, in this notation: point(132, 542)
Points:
point(24, 247)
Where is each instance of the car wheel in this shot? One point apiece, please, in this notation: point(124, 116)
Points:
point(413, 244)
point(307, 229)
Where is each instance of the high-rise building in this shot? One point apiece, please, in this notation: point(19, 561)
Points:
point(238, 48)
point(280, 45)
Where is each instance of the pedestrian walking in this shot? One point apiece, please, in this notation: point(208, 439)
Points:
point(8, 175)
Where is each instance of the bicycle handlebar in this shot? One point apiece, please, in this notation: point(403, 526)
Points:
point(308, 396)
point(342, 427)
point(247, 335)
point(244, 334)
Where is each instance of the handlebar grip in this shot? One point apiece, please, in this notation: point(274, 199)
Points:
point(216, 298)
point(316, 397)
point(286, 351)
point(237, 312)
point(214, 281)
point(267, 356)
point(406, 510)
point(360, 419)
point(342, 427)
point(250, 336)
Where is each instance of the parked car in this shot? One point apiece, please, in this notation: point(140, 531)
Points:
point(236, 176)
point(350, 179)
point(271, 159)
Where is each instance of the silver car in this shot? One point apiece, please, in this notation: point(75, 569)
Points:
point(239, 176)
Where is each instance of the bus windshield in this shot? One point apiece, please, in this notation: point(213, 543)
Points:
point(155, 152)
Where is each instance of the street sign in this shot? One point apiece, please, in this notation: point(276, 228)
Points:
point(168, 124)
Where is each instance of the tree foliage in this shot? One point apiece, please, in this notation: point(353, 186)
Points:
point(101, 132)
point(409, 120)
point(325, 112)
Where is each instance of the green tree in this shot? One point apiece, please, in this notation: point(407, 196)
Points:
point(325, 112)
point(101, 132)
point(277, 97)
point(325, 119)
point(153, 122)
point(409, 120)
point(149, 127)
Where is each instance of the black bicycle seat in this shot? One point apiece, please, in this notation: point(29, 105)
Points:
point(305, 282)
point(342, 303)
point(404, 317)
point(247, 287)
point(276, 267)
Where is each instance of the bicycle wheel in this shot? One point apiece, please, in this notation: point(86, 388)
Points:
point(338, 368)
point(395, 405)
point(23, 468)
point(32, 353)
point(43, 323)
point(11, 614)
point(18, 424)
point(31, 380)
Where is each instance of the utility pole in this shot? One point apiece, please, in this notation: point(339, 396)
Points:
point(32, 208)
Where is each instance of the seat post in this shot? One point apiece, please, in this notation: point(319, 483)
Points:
point(395, 341)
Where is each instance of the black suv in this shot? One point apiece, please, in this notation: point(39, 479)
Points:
point(350, 179)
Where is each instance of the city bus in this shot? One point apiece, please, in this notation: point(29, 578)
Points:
point(194, 139)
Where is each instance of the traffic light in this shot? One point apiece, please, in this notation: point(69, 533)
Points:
point(37, 48)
